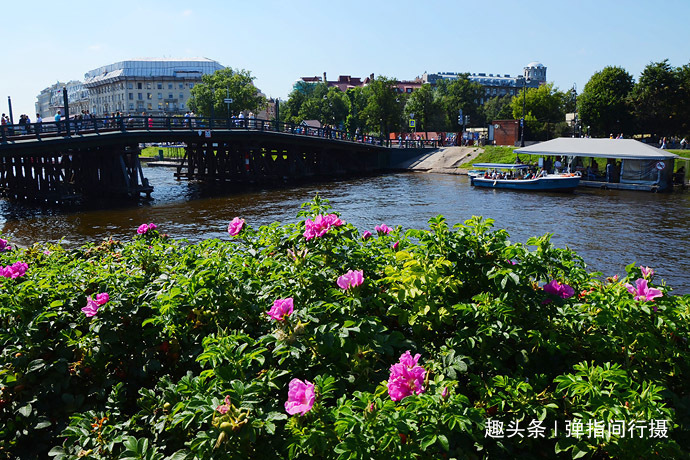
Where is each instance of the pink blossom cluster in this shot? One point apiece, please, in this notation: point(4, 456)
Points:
point(351, 279)
point(235, 226)
point(144, 228)
point(281, 309)
point(15, 270)
point(642, 292)
point(406, 377)
point(301, 396)
point(4, 246)
point(320, 225)
point(559, 290)
point(224, 408)
point(383, 229)
point(92, 306)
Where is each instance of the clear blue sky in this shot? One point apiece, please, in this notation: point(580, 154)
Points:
point(280, 41)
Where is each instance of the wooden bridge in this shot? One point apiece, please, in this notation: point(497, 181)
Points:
point(99, 157)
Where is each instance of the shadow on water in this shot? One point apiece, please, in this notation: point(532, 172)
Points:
point(609, 229)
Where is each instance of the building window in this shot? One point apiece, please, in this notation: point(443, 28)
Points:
point(191, 85)
point(181, 96)
point(160, 85)
point(160, 106)
point(149, 106)
point(160, 95)
point(149, 96)
point(408, 90)
point(131, 96)
point(170, 96)
point(140, 97)
point(130, 85)
point(170, 85)
point(138, 85)
point(148, 85)
point(181, 85)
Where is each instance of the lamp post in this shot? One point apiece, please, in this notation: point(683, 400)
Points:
point(9, 104)
point(522, 120)
point(573, 93)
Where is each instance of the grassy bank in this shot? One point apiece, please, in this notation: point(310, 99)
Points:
point(499, 154)
point(168, 152)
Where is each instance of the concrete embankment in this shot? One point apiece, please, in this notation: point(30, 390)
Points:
point(442, 160)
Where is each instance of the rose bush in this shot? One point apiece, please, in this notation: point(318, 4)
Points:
point(448, 337)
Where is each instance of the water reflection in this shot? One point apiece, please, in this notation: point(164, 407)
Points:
point(608, 228)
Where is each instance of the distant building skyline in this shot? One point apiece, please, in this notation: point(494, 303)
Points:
point(533, 75)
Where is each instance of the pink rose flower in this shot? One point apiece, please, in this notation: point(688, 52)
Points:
point(102, 298)
point(4, 246)
point(383, 229)
point(143, 228)
point(281, 309)
point(559, 290)
point(235, 226)
point(395, 245)
point(15, 270)
point(642, 292)
point(301, 397)
point(406, 377)
point(366, 235)
point(320, 225)
point(92, 306)
point(351, 279)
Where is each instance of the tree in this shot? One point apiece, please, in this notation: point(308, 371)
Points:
point(459, 94)
point(426, 108)
point(683, 100)
point(356, 117)
point(208, 96)
point(544, 109)
point(655, 99)
point(498, 108)
point(383, 111)
point(604, 103)
point(302, 91)
point(335, 108)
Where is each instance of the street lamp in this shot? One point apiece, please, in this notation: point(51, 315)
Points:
point(522, 121)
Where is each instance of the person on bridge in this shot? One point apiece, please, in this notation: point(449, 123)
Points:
point(58, 117)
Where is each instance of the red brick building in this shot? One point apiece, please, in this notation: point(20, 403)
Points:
point(506, 132)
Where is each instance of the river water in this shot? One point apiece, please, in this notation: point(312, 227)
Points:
point(609, 229)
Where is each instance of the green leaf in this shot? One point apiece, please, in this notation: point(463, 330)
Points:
point(444, 442)
point(25, 410)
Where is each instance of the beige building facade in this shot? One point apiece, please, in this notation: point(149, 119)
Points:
point(160, 87)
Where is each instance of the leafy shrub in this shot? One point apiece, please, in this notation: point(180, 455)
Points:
point(184, 362)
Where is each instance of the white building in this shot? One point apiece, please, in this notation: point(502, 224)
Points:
point(50, 100)
point(156, 86)
point(533, 75)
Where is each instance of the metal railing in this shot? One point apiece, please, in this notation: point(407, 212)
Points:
point(126, 123)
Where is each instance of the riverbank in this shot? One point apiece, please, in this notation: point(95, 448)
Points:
point(444, 160)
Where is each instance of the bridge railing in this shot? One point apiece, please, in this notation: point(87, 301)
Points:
point(125, 123)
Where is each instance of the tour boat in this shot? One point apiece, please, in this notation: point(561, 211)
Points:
point(510, 176)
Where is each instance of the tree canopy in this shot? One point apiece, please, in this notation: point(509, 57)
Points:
point(208, 97)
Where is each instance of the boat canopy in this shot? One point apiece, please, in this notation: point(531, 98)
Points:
point(500, 166)
point(623, 149)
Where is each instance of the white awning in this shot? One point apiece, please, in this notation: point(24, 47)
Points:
point(624, 149)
